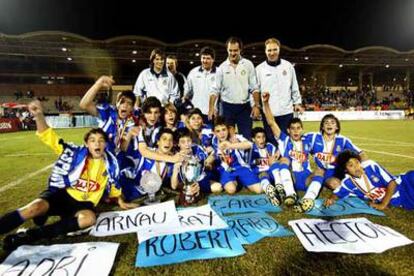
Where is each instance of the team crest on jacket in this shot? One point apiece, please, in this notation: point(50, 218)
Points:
point(374, 178)
point(243, 72)
point(284, 73)
point(164, 82)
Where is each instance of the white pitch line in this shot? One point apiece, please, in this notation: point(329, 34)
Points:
point(18, 181)
point(389, 153)
point(384, 144)
point(380, 140)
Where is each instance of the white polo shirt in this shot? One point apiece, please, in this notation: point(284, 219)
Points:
point(280, 81)
point(164, 86)
point(234, 85)
point(199, 84)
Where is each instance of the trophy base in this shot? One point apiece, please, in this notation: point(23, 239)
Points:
point(151, 202)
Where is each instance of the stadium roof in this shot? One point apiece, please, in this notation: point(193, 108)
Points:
point(69, 55)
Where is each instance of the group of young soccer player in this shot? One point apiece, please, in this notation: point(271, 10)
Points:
point(154, 139)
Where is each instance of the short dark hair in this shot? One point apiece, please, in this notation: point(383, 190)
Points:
point(164, 130)
point(257, 130)
point(174, 57)
point(151, 102)
point(95, 131)
point(327, 117)
point(194, 111)
point(208, 51)
point(126, 94)
point(342, 159)
point(182, 132)
point(295, 121)
point(233, 40)
point(219, 120)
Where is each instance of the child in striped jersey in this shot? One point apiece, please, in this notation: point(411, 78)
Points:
point(201, 134)
point(325, 147)
point(264, 161)
point(81, 176)
point(232, 166)
point(294, 148)
point(130, 177)
point(370, 181)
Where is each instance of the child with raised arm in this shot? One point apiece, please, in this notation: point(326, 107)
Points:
point(294, 148)
point(114, 120)
point(79, 179)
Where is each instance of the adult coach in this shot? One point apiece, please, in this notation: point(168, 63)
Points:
point(278, 77)
point(201, 80)
point(236, 84)
point(157, 81)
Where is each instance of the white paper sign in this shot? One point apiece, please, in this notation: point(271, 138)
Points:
point(142, 219)
point(200, 218)
point(90, 258)
point(355, 236)
point(191, 220)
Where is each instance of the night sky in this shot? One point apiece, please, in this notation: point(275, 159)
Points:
point(347, 24)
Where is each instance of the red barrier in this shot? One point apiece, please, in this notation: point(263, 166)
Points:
point(9, 125)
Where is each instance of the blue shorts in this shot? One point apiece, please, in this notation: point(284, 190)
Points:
point(129, 188)
point(242, 175)
point(265, 175)
point(300, 179)
point(329, 173)
point(205, 182)
point(406, 189)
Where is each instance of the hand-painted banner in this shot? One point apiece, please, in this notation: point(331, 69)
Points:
point(191, 220)
point(252, 227)
point(345, 206)
point(355, 236)
point(242, 204)
point(90, 258)
point(188, 246)
point(153, 218)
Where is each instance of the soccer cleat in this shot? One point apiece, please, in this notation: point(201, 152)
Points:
point(272, 195)
point(40, 220)
point(280, 191)
point(11, 242)
point(290, 200)
point(80, 232)
point(304, 205)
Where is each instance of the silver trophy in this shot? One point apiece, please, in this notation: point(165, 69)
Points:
point(191, 171)
point(150, 183)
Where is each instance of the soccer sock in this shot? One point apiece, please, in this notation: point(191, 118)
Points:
point(286, 178)
point(276, 175)
point(10, 221)
point(314, 188)
point(265, 182)
point(55, 229)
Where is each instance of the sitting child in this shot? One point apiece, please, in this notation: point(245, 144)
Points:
point(369, 181)
point(232, 166)
point(79, 179)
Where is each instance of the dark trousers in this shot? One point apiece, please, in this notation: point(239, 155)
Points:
point(239, 114)
point(282, 122)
